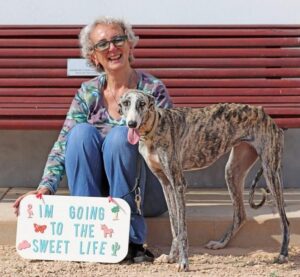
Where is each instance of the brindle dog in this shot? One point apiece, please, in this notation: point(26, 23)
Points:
point(174, 140)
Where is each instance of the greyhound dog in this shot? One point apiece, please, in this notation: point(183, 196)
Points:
point(174, 140)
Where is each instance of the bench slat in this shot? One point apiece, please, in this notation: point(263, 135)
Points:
point(166, 73)
point(160, 42)
point(226, 83)
point(164, 63)
point(170, 83)
point(61, 110)
point(216, 32)
point(233, 91)
point(37, 91)
point(47, 124)
point(173, 91)
point(158, 53)
point(30, 99)
point(228, 42)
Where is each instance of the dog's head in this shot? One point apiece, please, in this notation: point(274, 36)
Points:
point(134, 107)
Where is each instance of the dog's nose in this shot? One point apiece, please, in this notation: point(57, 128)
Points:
point(132, 124)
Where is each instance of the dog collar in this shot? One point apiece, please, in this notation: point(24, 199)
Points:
point(152, 131)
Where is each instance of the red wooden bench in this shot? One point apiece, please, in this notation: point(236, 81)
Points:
point(200, 65)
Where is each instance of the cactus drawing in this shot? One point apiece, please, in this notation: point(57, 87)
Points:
point(115, 247)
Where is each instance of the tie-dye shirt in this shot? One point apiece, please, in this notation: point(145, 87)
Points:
point(88, 106)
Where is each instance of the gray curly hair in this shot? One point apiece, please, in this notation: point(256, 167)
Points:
point(86, 44)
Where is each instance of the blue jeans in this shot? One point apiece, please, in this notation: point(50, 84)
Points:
point(97, 166)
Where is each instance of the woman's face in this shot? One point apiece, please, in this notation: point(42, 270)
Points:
point(115, 57)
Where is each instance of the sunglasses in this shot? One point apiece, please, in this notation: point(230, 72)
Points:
point(104, 45)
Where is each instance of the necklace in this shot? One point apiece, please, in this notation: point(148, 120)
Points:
point(129, 83)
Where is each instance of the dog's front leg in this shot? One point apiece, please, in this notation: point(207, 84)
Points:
point(175, 195)
point(179, 189)
point(171, 203)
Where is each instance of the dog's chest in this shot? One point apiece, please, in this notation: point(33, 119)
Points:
point(150, 155)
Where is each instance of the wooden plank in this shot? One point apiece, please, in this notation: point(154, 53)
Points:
point(43, 82)
point(49, 42)
point(30, 99)
point(165, 73)
point(48, 111)
point(214, 62)
point(38, 63)
point(288, 122)
point(223, 73)
point(213, 53)
point(37, 91)
point(220, 42)
point(273, 109)
point(46, 124)
point(27, 124)
point(56, 92)
point(33, 73)
point(170, 83)
point(39, 43)
point(231, 91)
point(159, 53)
point(159, 30)
point(162, 62)
point(216, 32)
point(236, 99)
point(39, 32)
point(45, 52)
point(232, 83)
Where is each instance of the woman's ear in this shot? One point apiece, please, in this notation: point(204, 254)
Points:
point(94, 59)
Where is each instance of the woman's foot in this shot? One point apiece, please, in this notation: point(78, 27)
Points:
point(137, 253)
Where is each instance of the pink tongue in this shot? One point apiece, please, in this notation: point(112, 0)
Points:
point(133, 136)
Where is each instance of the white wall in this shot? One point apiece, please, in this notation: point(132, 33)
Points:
point(151, 11)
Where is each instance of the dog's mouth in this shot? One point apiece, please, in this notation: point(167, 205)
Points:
point(133, 136)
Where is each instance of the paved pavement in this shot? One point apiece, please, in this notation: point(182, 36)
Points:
point(209, 214)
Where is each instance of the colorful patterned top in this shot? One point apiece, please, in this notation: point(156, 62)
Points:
point(88, 106)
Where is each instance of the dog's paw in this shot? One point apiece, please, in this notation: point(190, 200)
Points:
point(213, 244)
point(183, 266)
point(281, 259)
point(164, 259)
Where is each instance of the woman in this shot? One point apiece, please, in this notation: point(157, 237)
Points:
point(92, 146)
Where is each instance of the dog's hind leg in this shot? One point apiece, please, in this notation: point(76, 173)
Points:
point(241, 160)
point(272, 173)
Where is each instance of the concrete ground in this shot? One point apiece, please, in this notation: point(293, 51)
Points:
point(209, 214)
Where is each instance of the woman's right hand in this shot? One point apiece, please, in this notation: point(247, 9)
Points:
point(43, 190)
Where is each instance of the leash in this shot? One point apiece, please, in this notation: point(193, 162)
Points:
point(137, 188)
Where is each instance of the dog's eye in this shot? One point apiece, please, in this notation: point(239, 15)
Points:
point(126, 103)
point(142, 104)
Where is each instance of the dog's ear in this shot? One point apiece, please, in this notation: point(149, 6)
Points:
point(151, 100)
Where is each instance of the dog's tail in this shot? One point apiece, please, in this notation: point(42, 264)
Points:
point(252, 191)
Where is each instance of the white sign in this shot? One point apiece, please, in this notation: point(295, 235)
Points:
point(94, 229)
point(80, 67)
